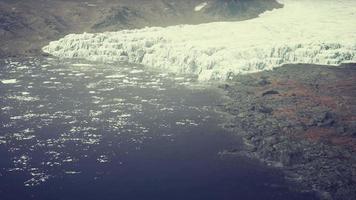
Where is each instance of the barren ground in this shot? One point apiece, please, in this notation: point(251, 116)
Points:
point(301, 118)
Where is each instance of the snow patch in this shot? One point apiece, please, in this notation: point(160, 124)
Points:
point(200, 6)
point(313, 32)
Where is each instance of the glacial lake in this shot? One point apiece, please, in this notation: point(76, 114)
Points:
point(73, 130)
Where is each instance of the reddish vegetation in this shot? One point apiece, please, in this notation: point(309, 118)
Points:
point(329, 135)
point(337, 96)
point(318, 133)
point(303, 116)
point(288, 112)
point(345, 141)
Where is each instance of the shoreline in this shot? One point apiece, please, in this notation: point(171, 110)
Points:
point(301, 119)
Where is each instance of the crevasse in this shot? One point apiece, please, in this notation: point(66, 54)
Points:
point(315, 32)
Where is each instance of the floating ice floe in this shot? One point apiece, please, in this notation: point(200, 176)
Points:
point(303, 31)
point(103, 159)
point(9, 81)
point(72, 172)
point(23, 98)
point(2, 141)
point(36, 180)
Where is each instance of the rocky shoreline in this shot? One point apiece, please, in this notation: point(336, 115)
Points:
point(302, 119)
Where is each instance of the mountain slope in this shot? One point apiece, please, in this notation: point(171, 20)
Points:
point(25, 26)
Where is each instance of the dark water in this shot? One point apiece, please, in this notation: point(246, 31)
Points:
point(72, 131)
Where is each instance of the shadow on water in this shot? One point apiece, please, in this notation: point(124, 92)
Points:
point(72, 130)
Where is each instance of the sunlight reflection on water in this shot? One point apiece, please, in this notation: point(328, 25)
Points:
point(53, 106)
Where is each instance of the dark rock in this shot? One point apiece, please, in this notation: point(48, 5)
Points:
point(341, 130)
point(264, 82)
point(353, 134)
point(323, 195)
point(124, 53)
point(224, 86)
point(233, 150)
point(270, 92)
point(266, 110)
point(253, 108)
point(328, 120)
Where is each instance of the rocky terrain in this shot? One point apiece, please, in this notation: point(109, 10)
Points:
point(300, 118)
point(26, 26)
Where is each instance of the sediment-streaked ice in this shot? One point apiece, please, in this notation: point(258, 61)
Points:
point(304, 31)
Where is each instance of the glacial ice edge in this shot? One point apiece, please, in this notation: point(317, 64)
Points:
point(223, 49)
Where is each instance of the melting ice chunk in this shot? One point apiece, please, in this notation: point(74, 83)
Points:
point(72, 172)
point(8, 81)
point(103, 159)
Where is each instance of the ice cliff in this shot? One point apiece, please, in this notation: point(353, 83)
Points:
point(304, 31)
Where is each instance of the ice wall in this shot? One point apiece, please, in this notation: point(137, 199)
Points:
point(304, 31)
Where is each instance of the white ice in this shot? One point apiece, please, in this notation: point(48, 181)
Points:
point(82, 65)
point(200, 6)
point(304, 31)
point(8, 81)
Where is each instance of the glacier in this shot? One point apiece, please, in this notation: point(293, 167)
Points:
point(303, 31)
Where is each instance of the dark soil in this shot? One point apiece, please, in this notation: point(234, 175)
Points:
point(301, 118)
